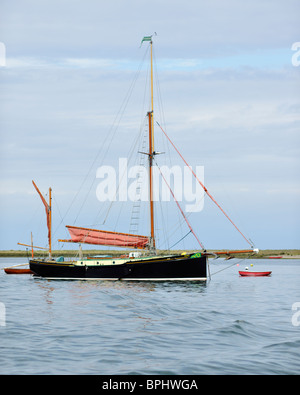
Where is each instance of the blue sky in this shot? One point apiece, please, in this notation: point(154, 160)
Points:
point(230, 97)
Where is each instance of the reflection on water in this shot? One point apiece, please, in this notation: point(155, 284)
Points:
point(228, 325)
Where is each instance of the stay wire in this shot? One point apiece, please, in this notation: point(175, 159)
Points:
point(177, 242)
point(172, 193)
point(228, 267)
point(111, 133)
point(205, 189)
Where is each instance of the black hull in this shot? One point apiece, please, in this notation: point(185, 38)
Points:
point(159, 269)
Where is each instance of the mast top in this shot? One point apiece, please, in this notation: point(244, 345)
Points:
point(148, 38)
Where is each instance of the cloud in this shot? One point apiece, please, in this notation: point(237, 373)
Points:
point(194, 29)
point(229, 90)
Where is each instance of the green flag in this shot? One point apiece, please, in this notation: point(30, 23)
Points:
point(146, 38)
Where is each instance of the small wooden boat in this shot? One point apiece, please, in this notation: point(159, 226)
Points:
point(18, 269)
point(254, 274)
point(9, 270)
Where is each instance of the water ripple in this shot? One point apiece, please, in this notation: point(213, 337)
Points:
point(227, 326)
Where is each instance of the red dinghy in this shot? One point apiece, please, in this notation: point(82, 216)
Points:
point(17, 271)
point(254, 274)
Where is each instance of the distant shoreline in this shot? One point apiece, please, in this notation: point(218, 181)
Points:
point(263, 254)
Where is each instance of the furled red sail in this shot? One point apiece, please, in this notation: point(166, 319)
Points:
point(103, 237)
point(48, 210)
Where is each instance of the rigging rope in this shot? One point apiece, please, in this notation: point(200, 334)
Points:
point(203, 186)
point(109, 139)
point(177, 242)
point(234, 264)
point(172, 193)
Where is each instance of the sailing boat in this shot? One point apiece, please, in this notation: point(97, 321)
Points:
point(135, 267)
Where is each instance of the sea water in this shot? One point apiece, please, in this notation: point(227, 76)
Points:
point(227, 325)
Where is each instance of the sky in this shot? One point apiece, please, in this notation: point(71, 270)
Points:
point(72, 99)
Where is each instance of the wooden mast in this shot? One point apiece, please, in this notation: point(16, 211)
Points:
point(31, 240)
point(152, 125)
point(151, 154)
point(48, 213)
point(50, 222)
